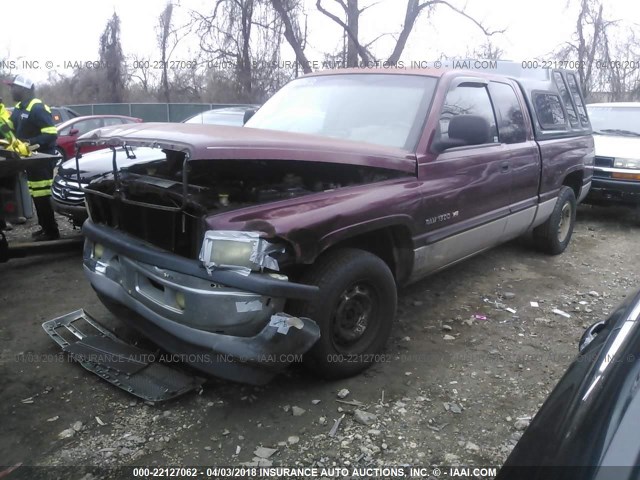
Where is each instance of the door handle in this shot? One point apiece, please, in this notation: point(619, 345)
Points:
point(504, 167)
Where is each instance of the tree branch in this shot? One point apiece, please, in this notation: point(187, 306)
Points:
point(362, 52)
point(289, 34)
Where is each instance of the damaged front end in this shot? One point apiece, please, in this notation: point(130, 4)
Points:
point(162, 254)
point(213, 298)
point(224, 322)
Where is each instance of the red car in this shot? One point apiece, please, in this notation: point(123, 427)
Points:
point(69, 131)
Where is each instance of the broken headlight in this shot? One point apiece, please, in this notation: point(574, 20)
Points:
point(242, 251)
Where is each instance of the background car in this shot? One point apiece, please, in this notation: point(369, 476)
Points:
point(233, 116)
point(69, 131)
point(66, 192)
point(62, 114)
point(590, 419)
point(616, 175)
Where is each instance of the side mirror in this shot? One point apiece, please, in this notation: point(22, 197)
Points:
point(248, 114)
point(464, 130)
point(74, 131)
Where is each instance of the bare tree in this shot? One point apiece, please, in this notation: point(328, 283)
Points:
point(487, 51)
point(604, 53)
point(242, 38)
point(288, 11)
point(164, 34)
point(113, 60)
point(350, 23)
point(142, 74)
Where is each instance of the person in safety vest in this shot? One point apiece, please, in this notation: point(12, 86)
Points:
point(33, 123)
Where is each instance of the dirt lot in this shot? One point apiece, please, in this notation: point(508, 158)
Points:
point(455, 388)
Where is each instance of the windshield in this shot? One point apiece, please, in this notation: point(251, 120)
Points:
point(384, 109)
point(615, 120)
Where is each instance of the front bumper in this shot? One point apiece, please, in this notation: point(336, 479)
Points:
point(607, 190)
point(223, 323)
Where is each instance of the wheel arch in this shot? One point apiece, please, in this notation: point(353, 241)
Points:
point(391, 243)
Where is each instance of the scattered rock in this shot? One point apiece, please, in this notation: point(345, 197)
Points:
point(508, 295)
point(593, 293)
point(77, 426)
point(322, 420)
point(315, 402)
point(448, 337)
point(455, 408)
point(53, 419)
point(68, 433)
point(364, 418)
point(344, 393)
point(264, 452)
point(472, 447)
point(292, 440)
point(297, 411)
point(155, 446)
point(447, 328)
point(451, 459)
point(521, 424)
point(544, 321)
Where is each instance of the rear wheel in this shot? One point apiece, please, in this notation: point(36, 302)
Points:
point(355, 311)
point(554, 235)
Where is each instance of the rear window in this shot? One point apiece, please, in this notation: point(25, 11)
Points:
point(549, 110)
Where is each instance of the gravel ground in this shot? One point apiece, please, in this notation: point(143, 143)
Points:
point(460, 381)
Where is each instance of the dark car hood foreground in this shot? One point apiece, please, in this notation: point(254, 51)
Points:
point(205, 142)
point(592, 417)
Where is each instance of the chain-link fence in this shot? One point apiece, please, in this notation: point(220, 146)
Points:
point(150, 112)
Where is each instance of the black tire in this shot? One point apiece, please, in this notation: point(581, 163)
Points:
point(554, 235)
point(356, 289)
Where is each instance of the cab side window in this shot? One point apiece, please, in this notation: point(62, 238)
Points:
point(511, 127)
point(468, 100)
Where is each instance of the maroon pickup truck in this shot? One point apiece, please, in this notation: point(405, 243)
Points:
point(250, 247)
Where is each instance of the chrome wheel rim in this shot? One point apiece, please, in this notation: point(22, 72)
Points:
point(565, 222)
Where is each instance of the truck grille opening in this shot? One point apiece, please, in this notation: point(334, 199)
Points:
point(169, 229)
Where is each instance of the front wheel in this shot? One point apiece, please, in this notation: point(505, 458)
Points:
point(554, 235)
point(354, 310)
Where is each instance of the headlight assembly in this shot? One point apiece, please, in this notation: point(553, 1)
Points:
point(627, 163)
point(241, 251)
